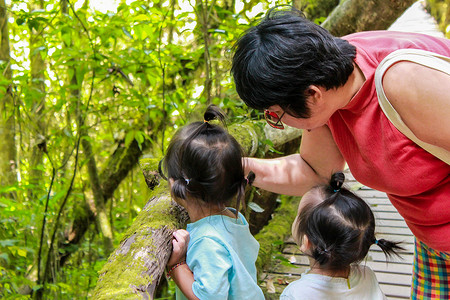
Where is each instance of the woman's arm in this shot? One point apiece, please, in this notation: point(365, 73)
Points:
point(295, 174)
point(421, 96)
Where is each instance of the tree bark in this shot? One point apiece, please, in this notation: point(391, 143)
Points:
point(38, 137)
point(133, 271)
point(8, 154)
point(361, 15)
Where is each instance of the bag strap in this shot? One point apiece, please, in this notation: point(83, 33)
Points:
point(425, 58)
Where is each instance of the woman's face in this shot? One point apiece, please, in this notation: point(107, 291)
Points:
point(322, 105)
point(316, 120)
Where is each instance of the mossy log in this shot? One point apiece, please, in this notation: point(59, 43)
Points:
point(361, 15)
point(134, 270)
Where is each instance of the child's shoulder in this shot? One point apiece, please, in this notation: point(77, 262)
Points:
point(361, 270)
point(304, 284)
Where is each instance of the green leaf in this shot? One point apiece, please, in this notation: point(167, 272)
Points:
point(5, 257)
point(22, 252)
point(129, 138)
point(20, 21)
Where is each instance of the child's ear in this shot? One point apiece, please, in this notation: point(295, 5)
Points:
point(306, 244)
point(294, 229)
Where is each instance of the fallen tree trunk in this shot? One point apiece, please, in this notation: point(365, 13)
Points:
point(135, 268)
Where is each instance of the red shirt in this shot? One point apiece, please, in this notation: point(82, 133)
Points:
point(379, 156)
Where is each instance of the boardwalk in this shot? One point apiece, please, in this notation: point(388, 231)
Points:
point(395, 276)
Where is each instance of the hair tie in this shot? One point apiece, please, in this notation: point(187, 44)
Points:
point(376, 242)
point(205, 121)
point(336, 190)
point(187, 181)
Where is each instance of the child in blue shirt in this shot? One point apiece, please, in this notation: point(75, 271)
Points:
point(214, 258)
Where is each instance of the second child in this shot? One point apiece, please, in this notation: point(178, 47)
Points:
point(335, 228)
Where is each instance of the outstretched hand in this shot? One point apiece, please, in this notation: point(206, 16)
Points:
point(180, 243)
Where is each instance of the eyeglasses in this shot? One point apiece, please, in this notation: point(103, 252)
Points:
point(273, 119)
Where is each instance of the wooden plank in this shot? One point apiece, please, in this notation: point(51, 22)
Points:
point(384, 208)
point(391, 223)
point(393, 230)
point(388, 215)
point(378, 256)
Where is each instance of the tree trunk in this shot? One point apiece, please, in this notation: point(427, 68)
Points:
point(133, 271)
point(361, 15)
point(8, 155)
point(136, 267)
point(38, 136)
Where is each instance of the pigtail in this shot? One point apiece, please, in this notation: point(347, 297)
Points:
point(180, 188)
point(389, 248)
point(241, 190)
point(336, 181)
point(322, 255)
point(250, 178)
point(213, 112)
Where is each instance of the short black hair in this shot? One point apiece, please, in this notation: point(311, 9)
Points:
point(276, 61)
point(205, 162)
point(341, 229)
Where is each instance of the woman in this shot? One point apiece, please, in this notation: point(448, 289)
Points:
point(304, 77)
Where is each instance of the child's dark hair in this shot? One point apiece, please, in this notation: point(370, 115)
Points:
point(340, 229)
point(205, 162)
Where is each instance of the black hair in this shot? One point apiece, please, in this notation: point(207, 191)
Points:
point(205, 162)
point(276, 61)
point(341, 228)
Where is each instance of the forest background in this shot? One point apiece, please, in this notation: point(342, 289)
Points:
point(87, 90)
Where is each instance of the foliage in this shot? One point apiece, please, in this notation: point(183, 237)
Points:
point(318, 10)
point(92, 92)
point(440, 10)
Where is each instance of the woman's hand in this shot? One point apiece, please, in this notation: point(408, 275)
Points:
point(180, 243)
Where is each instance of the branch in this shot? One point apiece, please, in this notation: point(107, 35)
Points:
point(362, 15)
point(135, 268)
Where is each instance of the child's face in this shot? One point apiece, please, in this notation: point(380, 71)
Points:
point(309, 199)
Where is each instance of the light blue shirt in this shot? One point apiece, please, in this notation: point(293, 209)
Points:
point(222, 254)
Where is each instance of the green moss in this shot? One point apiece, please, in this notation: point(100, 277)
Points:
point(246, 135)
point(272, 236)
point(149, 164)
point(126, 269)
